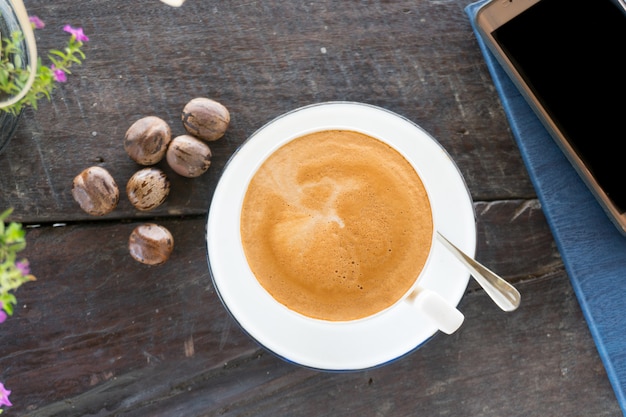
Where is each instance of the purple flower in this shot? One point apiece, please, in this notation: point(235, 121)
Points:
point(4, 396)
point(36, 22)
point(59, 75)
point(3, 315)
point(23, 266)
point(77, 33)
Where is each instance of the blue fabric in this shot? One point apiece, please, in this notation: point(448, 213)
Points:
point(593, 250)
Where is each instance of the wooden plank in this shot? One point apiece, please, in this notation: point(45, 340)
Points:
point(100, 331)
point(538, 367)
point(260, 60)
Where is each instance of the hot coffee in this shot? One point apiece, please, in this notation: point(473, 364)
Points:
point(336, 225)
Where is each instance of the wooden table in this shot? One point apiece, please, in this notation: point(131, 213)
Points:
point(101, 334)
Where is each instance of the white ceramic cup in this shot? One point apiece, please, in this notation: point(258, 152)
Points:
point(429, 306)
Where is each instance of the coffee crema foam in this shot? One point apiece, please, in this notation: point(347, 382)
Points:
point(336, 225)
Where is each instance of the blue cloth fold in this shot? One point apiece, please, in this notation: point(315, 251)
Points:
point(593, 250)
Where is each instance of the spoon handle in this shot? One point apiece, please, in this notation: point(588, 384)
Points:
point(501, 292)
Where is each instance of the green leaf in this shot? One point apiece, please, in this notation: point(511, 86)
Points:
point(5, 214)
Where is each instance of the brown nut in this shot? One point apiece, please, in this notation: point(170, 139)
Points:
point(146, 140)
point(205, 118)
point(150, 244)
point(188, 156)
point(148, 188)
point(95, 191)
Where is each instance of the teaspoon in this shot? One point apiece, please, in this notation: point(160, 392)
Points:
point(500, 291)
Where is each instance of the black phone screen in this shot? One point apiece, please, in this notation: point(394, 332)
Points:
point(570, 53)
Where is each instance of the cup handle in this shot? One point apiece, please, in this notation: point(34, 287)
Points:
point(443, 315)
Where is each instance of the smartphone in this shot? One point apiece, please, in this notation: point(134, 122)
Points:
point(566, 57)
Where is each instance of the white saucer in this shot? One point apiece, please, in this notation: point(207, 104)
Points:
point(339, 346)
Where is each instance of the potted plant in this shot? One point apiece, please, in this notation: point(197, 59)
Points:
point(8, 25)
point(13, 273)
point(23, 83)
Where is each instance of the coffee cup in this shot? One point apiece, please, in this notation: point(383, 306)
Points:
point(321, 236)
